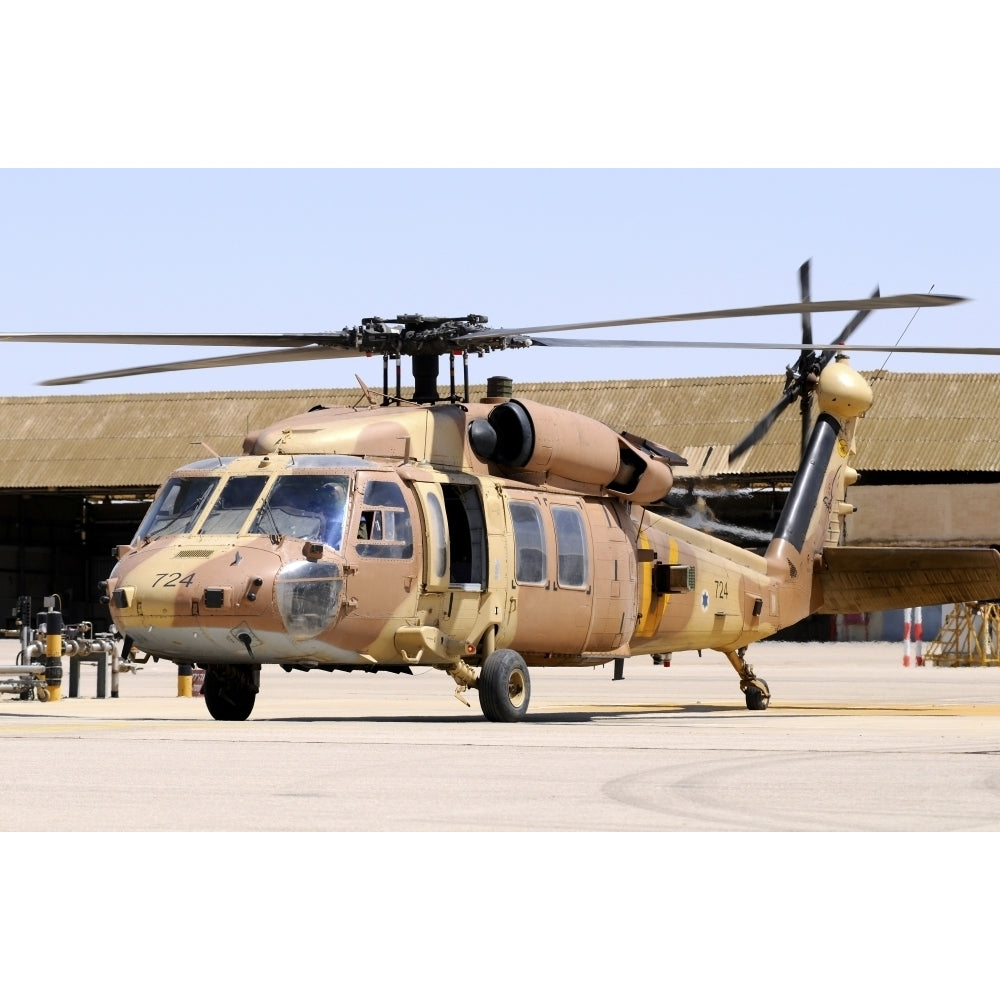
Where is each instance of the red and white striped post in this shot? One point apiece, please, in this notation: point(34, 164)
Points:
point(907, 624)
point(913, 625)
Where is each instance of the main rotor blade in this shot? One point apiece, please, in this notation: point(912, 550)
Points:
point(231, 360)
point(403, 337)
point(913, 300)
point(278, 340)
point(311, 342)
point(736, 345)
point(180, 339)
point(330, 351)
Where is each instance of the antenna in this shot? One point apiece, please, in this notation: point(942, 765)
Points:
point(210, 450)
point(881, 370)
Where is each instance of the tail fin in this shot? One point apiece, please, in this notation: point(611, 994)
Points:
point(814, 512)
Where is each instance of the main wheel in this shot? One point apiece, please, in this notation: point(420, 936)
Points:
point(229, 697)
point(757, 699)
point(504, 686)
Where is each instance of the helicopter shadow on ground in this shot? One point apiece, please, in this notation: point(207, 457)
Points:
point(564, 716)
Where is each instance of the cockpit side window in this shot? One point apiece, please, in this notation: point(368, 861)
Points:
point(231, 510)
point(306, 507)
point(176, 507)
point(384, 528)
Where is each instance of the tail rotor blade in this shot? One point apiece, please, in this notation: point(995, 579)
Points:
point(807, 332)
point(762, 426)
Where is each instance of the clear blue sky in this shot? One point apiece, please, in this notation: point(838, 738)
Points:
point(307, 250)
point(570, 98)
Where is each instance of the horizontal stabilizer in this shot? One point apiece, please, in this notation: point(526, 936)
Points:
point(853, 579)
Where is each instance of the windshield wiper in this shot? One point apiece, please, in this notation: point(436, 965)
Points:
point(191, 512)
point(277, 535)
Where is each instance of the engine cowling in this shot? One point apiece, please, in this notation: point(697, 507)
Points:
point(520, 434)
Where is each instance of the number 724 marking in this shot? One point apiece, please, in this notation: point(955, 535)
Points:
point(173, 580)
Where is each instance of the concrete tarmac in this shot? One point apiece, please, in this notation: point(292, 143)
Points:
point(852, 741)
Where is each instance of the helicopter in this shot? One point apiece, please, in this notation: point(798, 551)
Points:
point(485, 537)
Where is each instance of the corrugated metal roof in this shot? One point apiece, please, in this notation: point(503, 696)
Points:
point(127, 441)
point(918, 423)
point(933, 423)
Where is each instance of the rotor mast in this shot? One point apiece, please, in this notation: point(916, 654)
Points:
point(424, 339)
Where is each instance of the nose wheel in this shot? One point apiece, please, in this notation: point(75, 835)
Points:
point(230, 692)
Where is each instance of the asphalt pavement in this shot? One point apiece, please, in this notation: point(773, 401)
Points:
point(852, 741)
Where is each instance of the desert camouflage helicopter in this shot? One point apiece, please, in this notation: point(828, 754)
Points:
point(483, 537)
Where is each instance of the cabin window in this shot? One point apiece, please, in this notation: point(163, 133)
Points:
point(306, 507)
point(571, 546)
point(176, 507)
point(438, 549)
point(529, 543)
point(384, 528)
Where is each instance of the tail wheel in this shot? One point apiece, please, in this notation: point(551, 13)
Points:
point(758, 698)
point(229, 692)
point(504, 686)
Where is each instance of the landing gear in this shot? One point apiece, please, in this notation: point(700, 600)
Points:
point(758, 694)
point(230, 692)
point(504, 686)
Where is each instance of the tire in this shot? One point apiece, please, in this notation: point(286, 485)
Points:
point(504, 687)
point(228, 698)
point(757, 700)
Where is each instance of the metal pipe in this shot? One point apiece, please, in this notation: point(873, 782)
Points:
point(20, 685)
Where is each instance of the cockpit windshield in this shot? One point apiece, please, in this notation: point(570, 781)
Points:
point(177, 506)
point(230, 512)
point(309, 507)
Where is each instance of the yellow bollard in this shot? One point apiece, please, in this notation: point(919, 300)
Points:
point(53, 655)
point(184, 672)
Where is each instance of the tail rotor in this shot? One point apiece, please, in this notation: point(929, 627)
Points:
point(802, 378)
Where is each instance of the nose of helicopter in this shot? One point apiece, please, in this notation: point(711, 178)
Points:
point(182, 580)
point(198, 602)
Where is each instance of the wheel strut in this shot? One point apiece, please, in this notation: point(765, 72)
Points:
point(758, 694)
